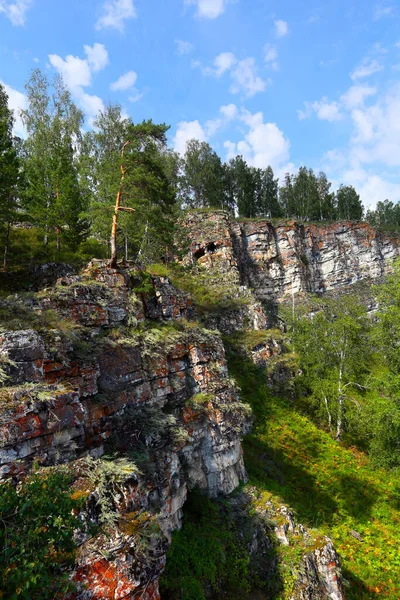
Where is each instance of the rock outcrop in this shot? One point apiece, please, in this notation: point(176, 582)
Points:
point(97, 381)
point(277, 260)
point(111, 361)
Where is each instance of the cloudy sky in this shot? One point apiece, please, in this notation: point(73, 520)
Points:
point(284, 83)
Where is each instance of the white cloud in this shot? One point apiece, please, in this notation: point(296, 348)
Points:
point(356, 95)
point(376, 134)
point(281, 28)
point(16, 102)
point(90, 104)
point(245, 78)
point(15, 11)
point(125, 82)
point(97, 57)
point(77, 74)
point(271, 56)
point(116, 12)
point(209, 9)
point(221, 64)
point(36, 60)
point(75, 71)
point(371, 160)
point(188, 130)
point(327, 111)
point(324, 110)
point(382, 11)
point(183, 47)
point(264, 144)
point(366, 68)
point(228, 113)
point(243, 73)
point(136, 96)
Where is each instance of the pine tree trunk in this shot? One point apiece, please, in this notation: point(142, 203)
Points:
point(126, 249)
point(113, 240)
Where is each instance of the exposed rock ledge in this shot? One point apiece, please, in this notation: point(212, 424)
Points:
point(276, 260)
point(82, 384)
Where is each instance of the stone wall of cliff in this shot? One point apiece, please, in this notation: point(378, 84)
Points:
point(113, 361)
point(277, 260)
point(94, 380)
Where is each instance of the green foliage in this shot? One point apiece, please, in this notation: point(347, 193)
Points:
point(108, 475)
point(10, 176)
point(330, 487)
point(53, 196)
point(202, 183)
point(349, 204)
point(335, 354)
point(385, 216)
point(37, 521)
point(206, 556)
point(216, 297)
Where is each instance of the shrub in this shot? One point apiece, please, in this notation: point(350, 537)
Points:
point(36, 536)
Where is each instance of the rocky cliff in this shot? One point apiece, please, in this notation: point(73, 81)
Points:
point(113, 362)
point(277, 260)
point(85, 377)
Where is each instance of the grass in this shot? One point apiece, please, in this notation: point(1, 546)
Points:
point(329, 487)
point(211, 296)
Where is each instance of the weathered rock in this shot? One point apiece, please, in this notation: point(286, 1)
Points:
point(169, 303)
point(275, 261)
point(263, 524)
point(22, 353)
point(70, 397)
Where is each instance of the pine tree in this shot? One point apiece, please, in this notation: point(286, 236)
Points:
point(244, 187)
point(286, 197)
point(349, 205)
point(327, 209)
point(9, 171)
point(270, 206)
point(202, 183)
point(99, 167)
point(145, 189)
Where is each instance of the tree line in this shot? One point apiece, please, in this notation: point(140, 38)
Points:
point(350, 369)
point(62, 186)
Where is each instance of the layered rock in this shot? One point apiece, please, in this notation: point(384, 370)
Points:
point(110, 361)
point(263, 523)
point(277, 260)
point(97, 381)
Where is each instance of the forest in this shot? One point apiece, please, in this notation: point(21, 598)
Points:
point(58, 185)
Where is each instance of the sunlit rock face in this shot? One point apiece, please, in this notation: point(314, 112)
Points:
point(276, 261)
point(77, 387)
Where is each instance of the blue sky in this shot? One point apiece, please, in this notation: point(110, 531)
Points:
point(284, 83)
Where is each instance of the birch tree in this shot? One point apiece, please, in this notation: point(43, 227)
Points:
point(334, 349)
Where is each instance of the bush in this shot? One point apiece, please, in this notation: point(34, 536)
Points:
point(36, 536)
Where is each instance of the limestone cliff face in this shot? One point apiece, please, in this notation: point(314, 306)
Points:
point(275, 261)
point(164, 393)
point(112, 361)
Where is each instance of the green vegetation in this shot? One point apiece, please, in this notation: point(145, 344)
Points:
point(107, 475)
point(207, 558)
point(37, 520)
point(332, 488)
point(210, 296)
point(58, 187)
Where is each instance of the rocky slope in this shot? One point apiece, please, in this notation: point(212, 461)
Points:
point(277, 260)
point(110, 361)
